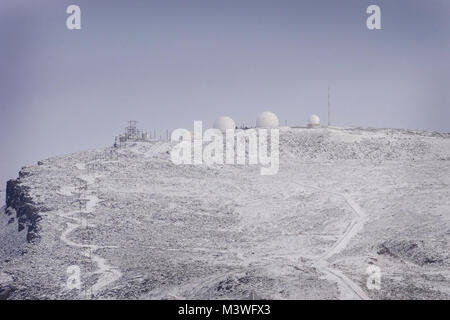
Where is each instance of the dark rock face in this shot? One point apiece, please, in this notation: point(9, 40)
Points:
point(17, 198)
point(415, 251)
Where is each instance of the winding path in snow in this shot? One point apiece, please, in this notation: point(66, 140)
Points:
point(349, 289)
point(107, 273)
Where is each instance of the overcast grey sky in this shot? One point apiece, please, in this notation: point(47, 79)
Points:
point(167, 63)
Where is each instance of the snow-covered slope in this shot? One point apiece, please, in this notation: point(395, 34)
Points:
point(2, 197)
point(137, 226)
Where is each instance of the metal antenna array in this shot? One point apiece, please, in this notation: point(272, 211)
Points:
point(133, 134)
point(131, 131)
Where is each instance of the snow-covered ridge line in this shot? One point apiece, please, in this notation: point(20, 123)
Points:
point(296, 144)
point(224, 231)
point(362, 144)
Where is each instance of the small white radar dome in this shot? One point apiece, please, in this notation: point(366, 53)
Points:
point(223, 123)
point(267, 119)
point(314, 121)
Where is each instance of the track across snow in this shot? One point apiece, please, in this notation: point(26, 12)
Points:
point(349, 289)
point(107, 273)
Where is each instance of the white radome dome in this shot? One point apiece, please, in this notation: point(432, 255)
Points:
point(267, 119)
point(223, 123)
point(314, 120)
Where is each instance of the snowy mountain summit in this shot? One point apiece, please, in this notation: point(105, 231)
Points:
point(352, 213)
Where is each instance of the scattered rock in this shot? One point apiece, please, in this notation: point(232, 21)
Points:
point(413, 251)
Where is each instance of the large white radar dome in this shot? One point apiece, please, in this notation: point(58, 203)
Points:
point(223, 123)
point(267, 119)
point(314, 121)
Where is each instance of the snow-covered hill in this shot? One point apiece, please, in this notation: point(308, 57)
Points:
point(136, 226)
point(2, 197)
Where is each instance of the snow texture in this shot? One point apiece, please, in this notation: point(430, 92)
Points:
point(140, 227)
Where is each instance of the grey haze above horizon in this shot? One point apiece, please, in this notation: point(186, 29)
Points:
point(168, 63)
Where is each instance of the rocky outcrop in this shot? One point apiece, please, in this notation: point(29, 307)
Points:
point(18, 199)
point(417, 252)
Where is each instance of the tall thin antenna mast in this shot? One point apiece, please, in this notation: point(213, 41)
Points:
point(329, 107)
